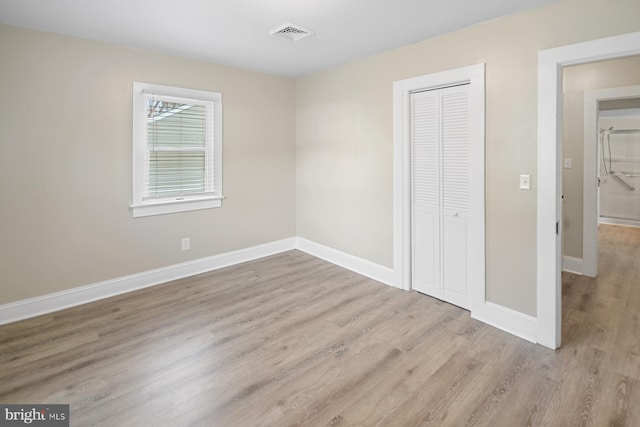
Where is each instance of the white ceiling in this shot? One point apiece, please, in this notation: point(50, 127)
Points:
point(236, 32)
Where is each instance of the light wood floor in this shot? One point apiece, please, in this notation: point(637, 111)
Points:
point(291, 340)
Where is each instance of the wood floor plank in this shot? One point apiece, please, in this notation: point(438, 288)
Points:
point(291, 340)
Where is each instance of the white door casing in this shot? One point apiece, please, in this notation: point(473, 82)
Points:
point(549, 253)
point(474, 77)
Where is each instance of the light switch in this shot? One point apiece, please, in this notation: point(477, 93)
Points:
point(525, 182)
point(567, 163)
point(186, 243)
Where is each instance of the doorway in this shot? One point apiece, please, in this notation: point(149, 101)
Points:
point(601, 107)
point(619, 154)
point(549, 240)
point(610, 86)
point(473, 77)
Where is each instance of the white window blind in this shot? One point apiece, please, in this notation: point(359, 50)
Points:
point(177, 154)
point(179, 142)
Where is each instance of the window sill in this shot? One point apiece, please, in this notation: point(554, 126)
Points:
point(173, 206)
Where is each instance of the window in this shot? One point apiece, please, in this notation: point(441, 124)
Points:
point(177, 148)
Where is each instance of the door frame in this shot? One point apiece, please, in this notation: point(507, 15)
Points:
point(549, 215)
point(475, 76)
point(590, 172)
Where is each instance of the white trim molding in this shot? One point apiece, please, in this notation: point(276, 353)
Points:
point(210, 196)
point(624, 112)
point(619, 221)
point(44, 304)
point(503, 318)
point(508, 320)
point(549, 251)
point(572, 265)
point(350, 262)
point(495, 315)
point(475, 76)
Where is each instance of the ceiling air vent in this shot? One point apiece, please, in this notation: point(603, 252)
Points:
point(291, 32)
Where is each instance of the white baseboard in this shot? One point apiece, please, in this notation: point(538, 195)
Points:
point(350, 262)
point(619, 221)
point(511, 321)
point(508, 320)
point(572, 265)
point(32, 307)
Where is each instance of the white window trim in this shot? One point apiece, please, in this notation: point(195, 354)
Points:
point(143, 207)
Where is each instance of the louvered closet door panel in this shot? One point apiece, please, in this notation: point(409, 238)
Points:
point(456, 162)
point(425, 189)
point(455, 257)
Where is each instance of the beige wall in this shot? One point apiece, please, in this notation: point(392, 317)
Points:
point(344, 136)
point(65, 167)
point(578, 80)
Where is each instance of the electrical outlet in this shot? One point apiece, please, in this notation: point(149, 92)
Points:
point(186, 243)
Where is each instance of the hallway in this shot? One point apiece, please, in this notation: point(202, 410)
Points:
point(601, 332)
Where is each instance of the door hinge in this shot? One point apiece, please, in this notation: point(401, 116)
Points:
point(557, 227)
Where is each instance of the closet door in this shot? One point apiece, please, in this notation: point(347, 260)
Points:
point(440, 163)
point(425, 192)
point(456, 165)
